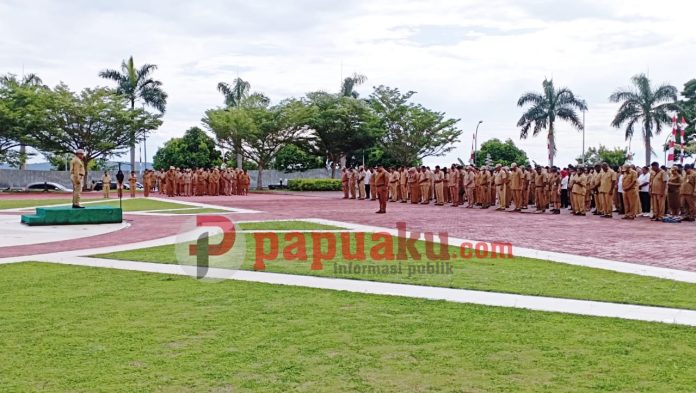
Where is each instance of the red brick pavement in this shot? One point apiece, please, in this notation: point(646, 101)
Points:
point(639, 241)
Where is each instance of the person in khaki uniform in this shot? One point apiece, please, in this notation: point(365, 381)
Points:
point(344, 182)
point(485, 180)
point(414, 187)
point(381, 181)
point(531, 191)
point(361, 184)
point(393, 185)
point(77, 176)
point(540, 182)
point(132, 180)
point(438, 179)
point(554, 193)
point(578, 192)
point(687, 192)
point(516, 184)
point(469, 185)
point(658, 189)
point(673, 191)
point(423, 186)
point(352, 182)
point(403, 184)
point(630, 192)
point(106, 184)
point(499, 179)
point(147, 183)
point(453, 184)
point(373, 188)
point(605, 191)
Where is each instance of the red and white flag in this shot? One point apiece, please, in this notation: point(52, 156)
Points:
point(671, 142)
point(682, 128)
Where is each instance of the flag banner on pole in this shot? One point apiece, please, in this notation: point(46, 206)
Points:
point(682, 128)
point(671, 142)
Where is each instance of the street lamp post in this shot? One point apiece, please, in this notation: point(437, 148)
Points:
point(583, 137)
point(476, 139)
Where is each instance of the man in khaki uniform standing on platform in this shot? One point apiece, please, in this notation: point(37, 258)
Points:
point(658, 189)
point(77, 176)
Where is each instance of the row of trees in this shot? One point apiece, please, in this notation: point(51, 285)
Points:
point(642, 106)
point(322, 128)
point(58, 121)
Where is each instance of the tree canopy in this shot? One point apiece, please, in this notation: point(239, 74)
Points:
point(503, 153)
point(614, 157)
point(410, 132)
point(545, 109)
point(194, 150)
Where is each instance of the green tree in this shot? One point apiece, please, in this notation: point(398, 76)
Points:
point(292, 158)
point(272, 128)
point(194, 150)
point(544, 109)
point(338, 126)
point(137, 85)
point(95, 120)
point(411, 132)
point(503, 153)
point(236, 95)
point(349, 84)
point(30, 82)
point(614, 157)
point(643, 106)
point(687, 109)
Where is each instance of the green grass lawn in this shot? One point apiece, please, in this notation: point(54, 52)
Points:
point(77, 329)
point(517, 275)
point(21, 203)
point(142, 204)
point(284, 226)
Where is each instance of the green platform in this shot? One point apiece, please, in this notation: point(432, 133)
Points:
point(66, 215)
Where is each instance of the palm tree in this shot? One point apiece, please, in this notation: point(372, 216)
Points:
point(645, 106)
point(136, 84)
point(238, 94)
point(545, 108)
point(349, 84)
point(28, 80)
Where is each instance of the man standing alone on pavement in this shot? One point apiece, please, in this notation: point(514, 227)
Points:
point(77, 176)
point(106, 184)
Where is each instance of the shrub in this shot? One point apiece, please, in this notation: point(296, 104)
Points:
point(314, 184)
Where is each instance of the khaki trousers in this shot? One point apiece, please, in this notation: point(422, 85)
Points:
point(361, 190)
point(77, 189)
point(689, 204)
point(404, 192)
point(630, 199)
point(501, 196)
point(517, 198)
point(106, 189)
point(657, 202)
point(439, 193)
point(578, 203)
point(424, 190)
point(539, 197)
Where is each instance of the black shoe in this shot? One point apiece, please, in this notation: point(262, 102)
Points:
point(77, 207)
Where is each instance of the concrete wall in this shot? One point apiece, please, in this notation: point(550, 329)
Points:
point(16, 178)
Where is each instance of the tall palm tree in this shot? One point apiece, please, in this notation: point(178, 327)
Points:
point(349, 84)
point(545, 108)
point(239, 94)
point(644, 106)
point(136, 84)
point(28, 80)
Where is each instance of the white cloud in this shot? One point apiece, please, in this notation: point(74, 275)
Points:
point(471, 59)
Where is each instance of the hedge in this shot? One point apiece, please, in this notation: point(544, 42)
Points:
point(314, 184)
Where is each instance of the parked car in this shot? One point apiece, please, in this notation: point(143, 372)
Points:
point(47, 186)
point(98, 186)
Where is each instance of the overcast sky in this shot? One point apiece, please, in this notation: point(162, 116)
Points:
point(470, 59)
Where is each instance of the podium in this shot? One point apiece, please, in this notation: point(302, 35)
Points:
point(66, 215)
